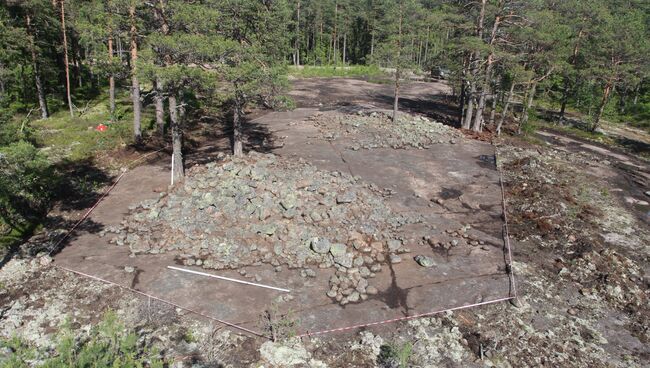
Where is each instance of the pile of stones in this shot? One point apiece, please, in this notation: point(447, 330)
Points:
point(264, 209)
point(368, 130)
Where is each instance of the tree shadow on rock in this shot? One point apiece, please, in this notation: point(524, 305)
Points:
point(54, 236)
point(439, 107)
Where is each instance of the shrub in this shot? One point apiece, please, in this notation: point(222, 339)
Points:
point(109, 344)
point(25, 176)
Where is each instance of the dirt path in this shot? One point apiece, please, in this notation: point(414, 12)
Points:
point(457, 173)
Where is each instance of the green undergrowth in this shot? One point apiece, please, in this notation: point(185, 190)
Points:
point(395, 355)
point(76, 138)
point(43, 161)
point(329, 71)
point(108, 344)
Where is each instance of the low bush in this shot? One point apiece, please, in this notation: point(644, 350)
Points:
point(26, 177)
point(109, 344)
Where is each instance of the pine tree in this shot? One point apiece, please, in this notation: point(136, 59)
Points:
point(394, 51)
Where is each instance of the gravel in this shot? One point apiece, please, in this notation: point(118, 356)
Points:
point(264, 209)
point(372, 129)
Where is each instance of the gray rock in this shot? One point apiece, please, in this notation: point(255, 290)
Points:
point(206, 200)
point(289, 214)
point(394, 245)
point(371, 290)
point(354, 297)
point(358, 261)
point(320, 246)
point(338, 249)
point(315, 216)
point(424, 261)
point(334, 280)
point(364, 271)
point(268, 229)
point(394, 258)
point(362, 285)
point(345, 260)
point(289, 201)
point(347, 197)
point(290, 353)
point(129, 269)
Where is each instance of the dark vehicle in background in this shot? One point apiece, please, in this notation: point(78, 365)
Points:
point(439, 72)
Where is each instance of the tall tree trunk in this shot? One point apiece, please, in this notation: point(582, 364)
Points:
point(426, 48)
point(237, 145)
point(504, 113)
point(177, 139)
point(621, 100)
point(493, 108)
point(334, 36)
point(77, 67)
point(372, 41)
point(160, 106)
point(3, 87)
point(478, 119)
point(135, 84)
point(297, 46)
point(565, 90)
point(65, 55)
point(398, 66)
point(603, 102)
point(396, 98)
point(461, 102)
point(111, 77)
point(471, 100)
point(469, 112)
point(565, 97)
point(345, 38)
point(528, 103)
point(42, 101)
point(320, 43)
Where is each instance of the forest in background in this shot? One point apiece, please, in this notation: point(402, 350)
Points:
point(158, 65)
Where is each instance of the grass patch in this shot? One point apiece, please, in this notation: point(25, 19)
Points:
point(331, 71)
point(75, 138)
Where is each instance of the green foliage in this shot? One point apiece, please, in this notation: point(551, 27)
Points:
point(76, 138)
point(394, 355)
point(108, 345)
point(32, 178)
point(281, 325)
point(25, 179)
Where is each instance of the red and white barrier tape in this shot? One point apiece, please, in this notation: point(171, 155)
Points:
point(506, 232)
point(322, 332)
point(510, 271)
point(405, 318)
